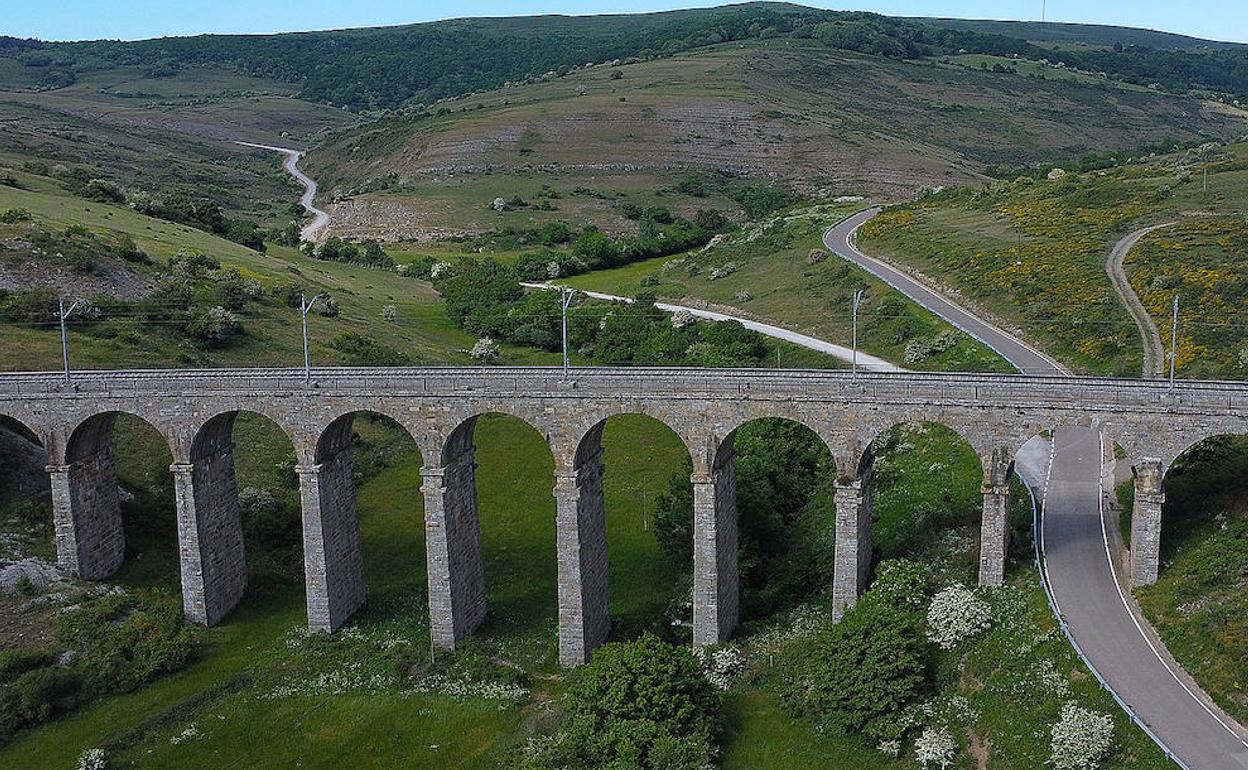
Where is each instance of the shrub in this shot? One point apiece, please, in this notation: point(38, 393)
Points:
point(127, 641)
point(390, 314)
point(360, 350)
point(863, 673)
point(215, 326)
point(759, 200)
point(37, 696)
point(1081, 739)
point(93, 759)
point(956, 615)
point(642, 704)
point(486, 351)
point(13, 216)
point(935, 747)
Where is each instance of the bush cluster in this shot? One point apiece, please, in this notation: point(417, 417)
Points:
point(121, 643)
point(485, 298)
point(644, 704)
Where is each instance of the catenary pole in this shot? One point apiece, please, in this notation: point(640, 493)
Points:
point(307, 356)
point(64, 314)
point(857, 302)
point(1174, 337)
point(565, 300)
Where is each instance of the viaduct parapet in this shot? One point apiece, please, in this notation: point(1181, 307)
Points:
point(195, 412)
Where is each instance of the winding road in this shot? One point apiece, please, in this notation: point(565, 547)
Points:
point(1077, 559)
point(320, 219)
point(1150, 339)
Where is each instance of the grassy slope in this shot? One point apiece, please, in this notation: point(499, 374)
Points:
point(785, 288)
point(827, 118)
point(273, 332)
point(1060, 294)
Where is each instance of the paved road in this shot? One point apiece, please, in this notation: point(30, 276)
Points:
point(320, 219)
point(1154, 354)
point(1077, 565)
point(1028, 360)
point(868, 363)
point(1076, 552)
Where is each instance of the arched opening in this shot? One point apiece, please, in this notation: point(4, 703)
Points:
point(784, 477)
point(648, 510)
point(363, 530)
point(490, 538)
point(239, 516)
point(1198, 603)
point(117, 505)
point(25, 495)
point(927, 496)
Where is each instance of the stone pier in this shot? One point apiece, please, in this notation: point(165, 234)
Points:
point(853, 542)
point(453, 543)
point(332, 547)
point(584, 593)
point(1146, 522)
point(210, 531)
point(86, 511)
point(716, 581)
point(994, 547)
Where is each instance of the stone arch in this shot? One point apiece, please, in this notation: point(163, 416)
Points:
point(824, 471)
point(86, 499)
point(1164, 492)
point(332, 537)
point(454, 539)
point(994, 466)
point(23, 460)
point(583, 526)
point(210, 526)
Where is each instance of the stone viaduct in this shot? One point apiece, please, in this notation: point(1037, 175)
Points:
point(195, 411)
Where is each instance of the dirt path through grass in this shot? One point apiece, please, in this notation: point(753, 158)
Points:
point(1150, 339)
point(320, 219)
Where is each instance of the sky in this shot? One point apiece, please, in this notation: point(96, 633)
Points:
point(133, 19)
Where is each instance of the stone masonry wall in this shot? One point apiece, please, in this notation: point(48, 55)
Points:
point(584, 592)
point(210, 536)
point(852, 563)
point(333, 551)
point(716, 580)
point(90, 540)
point(453, 548)
point(995, 525)
point(1146, 523)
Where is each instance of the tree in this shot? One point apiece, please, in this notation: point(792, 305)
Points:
point(642, 704)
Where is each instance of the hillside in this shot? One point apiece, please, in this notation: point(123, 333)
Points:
point(1065, 34)
point(821, 119)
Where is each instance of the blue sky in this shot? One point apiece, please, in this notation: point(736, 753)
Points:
point(130, 19)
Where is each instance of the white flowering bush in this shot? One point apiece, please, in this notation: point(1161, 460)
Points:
point(955, 615)
point(439, 269)
point(486, 351)
point(390, 314)
point(1081, 739)
point(935, 748)
point(722, 666)
point(682, 318)
point(190, 733)
point(92, 759)
point(891, 748)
